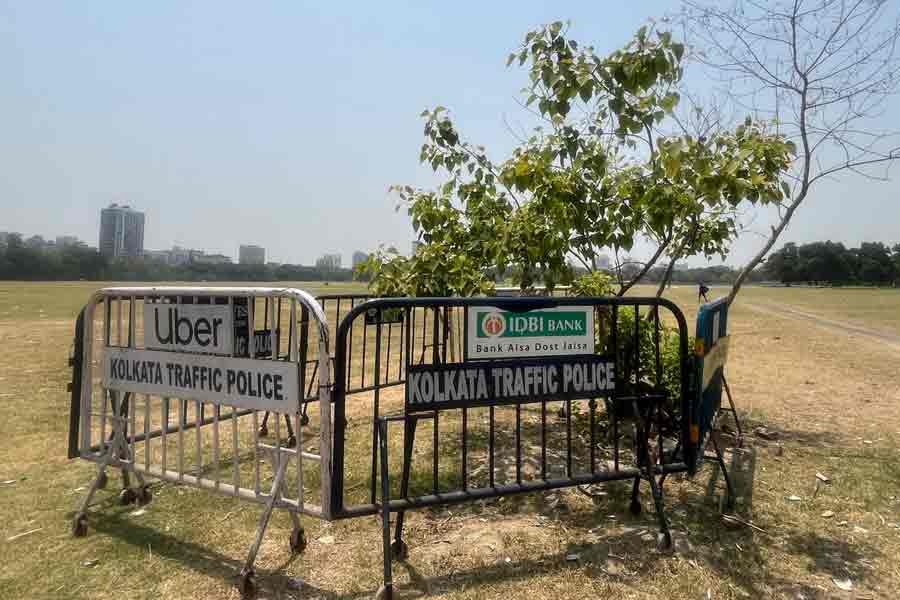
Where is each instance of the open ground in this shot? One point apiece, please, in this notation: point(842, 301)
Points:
point(827, 388)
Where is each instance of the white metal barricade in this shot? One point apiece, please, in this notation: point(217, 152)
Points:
point(172, 383)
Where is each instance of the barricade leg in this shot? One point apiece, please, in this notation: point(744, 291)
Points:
point(387, 589)
point(635, 506)
point(112, 450)
point(399, 548)
point(247, 584)
point(664, 537)
point(720, 458)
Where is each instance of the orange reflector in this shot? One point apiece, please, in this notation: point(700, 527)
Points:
point(698, 347)
point(695, 433)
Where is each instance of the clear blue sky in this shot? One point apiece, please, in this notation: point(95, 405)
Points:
point(284, 123)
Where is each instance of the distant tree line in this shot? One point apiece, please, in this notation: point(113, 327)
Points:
point(18, 261)
point(830, 263)
point(721, 274)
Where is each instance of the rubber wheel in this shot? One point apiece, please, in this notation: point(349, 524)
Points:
point(144, 496)
point(247, 584)
point(635, 507)
point(304, 420)
point(298, 541)
point(664, 541)
point(102, 481)
point(127, 496)
point(80, 526)
point(291, 442)
point(263, 431)
point(399, 550)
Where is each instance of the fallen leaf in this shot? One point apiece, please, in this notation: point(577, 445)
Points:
point(793, 498)
point(858, 529)
point(8, 482)
point(326, 539)
point(138, 512)
point(93, 562)
point(843, 584)
point(827, 514)
point(823, 478)
point(572, 557)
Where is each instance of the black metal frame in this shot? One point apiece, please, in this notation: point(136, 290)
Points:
point(646, 406)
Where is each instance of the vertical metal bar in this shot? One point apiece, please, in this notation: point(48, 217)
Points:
point(216, 445)
point(304, 342)
point(491, 445)
point(435, 430)
point(658, 378)
point(197, 428)
point(637, 347)
point(518, 443)
point(614, 334)
point(146, 431)
point(251, 352)
point(131, 410)
point(274, 356)
point(465, 448)
point(387, 358)
point(568, 438)
point(235, 452)
point(544, 438)
point(362, 366)
point(293, 357)
point(164, 430)
point(181, 417)
point(377, 392)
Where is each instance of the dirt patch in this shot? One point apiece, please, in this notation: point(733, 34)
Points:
point(891, 338)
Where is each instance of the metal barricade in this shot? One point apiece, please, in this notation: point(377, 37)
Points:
point(169, 383)
point(514, 395)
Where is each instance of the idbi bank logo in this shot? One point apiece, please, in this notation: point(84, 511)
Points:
point(498, 324)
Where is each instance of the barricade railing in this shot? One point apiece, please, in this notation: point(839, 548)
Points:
point(170, 383)
point(493, 401)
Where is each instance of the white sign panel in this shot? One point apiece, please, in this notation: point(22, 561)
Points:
point(206, 328)
point(261, 384)
point(558, 331)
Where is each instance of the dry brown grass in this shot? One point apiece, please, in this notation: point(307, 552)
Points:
point(827, 392)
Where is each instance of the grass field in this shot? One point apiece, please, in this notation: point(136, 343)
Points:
point(830, 394)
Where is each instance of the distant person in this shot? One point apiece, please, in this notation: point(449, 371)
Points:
point(703, 291)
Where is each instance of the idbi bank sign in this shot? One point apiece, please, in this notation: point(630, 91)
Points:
point(562, 330)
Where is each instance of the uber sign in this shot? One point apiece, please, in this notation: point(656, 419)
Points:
point(206, 328)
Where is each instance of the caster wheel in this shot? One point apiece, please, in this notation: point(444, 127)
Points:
point(399, 550)
point(144, 496)
point(291, 442)
point(263, 431)
point(298, 541)
point(247, 584)
point(80, 526)
point(304, 420)
point(635, 507)
point(664, 541)
point(102, 481)
point(127, 496)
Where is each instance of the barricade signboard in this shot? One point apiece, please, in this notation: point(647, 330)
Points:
point(446, 386)
point(553, 331)
point(242, 382)
point(711, 353)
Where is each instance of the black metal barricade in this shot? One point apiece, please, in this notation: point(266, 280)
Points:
point(505, 412)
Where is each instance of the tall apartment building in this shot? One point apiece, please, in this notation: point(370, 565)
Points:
point(121, 231)
point(359, 258)
point(252, 255)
